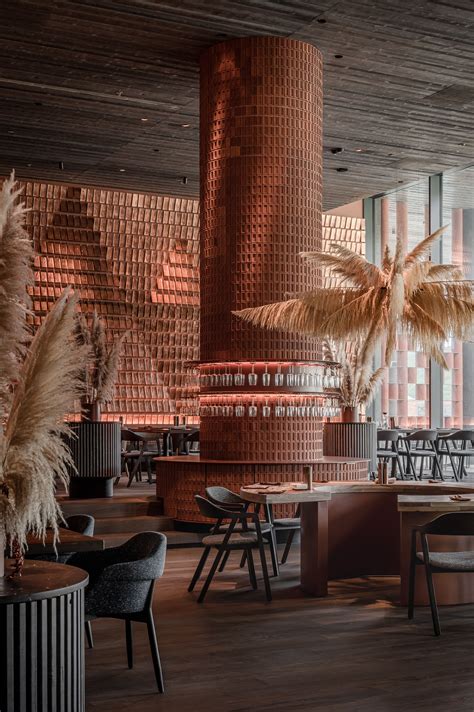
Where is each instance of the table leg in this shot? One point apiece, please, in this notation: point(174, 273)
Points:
point(314, 548)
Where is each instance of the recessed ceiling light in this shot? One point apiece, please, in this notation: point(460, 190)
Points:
point(322, 21)
point(144, 119)
point(338, 56)
point(122, 170)
point(359, 150)
point(185, 126)
point(336, 150)
point(342, 170)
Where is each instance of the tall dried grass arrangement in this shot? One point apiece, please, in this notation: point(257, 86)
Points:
point(102, 371)
point(40, 389)
point(427, 301)
point(16, 275)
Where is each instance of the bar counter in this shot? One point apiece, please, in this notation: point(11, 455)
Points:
point(364, 529)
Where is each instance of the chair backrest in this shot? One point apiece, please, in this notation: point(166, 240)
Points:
point(460, 435)
point(387, 436)
point(193, 436)
point(81, 523)
point(451, 523)
point(423, 436)
point(129, 436)
point(212, 511)
point(224, 497)
point(146, 553)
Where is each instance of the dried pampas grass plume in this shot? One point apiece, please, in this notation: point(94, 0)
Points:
point(32, 448)
point(16, 275)
point(101, 375)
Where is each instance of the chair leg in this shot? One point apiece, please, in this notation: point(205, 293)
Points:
point(199, 568)
point(243, 559)
point(263, 561)
point(129, 641)
point(251, 566)
point(433, 604)
point(410, 466)
point(288, 544)
point(437, 465)
point(224, 561)
point(155, 653)
point(210, 575)
point(399, 463)
point(273, 544)
point(88, 629)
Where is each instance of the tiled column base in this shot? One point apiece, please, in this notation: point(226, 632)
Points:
point(178, 479)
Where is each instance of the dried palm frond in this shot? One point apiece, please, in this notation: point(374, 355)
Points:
point(110, 371)
point(16, 275)
point(33, 452)
point(358, 383)
point(430, 302)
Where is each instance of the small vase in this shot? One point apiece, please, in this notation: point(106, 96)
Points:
point(91, 412)
point(350, 414)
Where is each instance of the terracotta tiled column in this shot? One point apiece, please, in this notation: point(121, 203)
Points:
point(261, 136)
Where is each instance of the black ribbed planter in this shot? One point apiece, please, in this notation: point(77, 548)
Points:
point(42, 639)
point(96, 454)
point(351, 440)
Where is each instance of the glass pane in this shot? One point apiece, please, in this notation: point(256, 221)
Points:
point(405, 392)
point(457, 248)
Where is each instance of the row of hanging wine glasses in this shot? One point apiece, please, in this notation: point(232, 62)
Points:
point(303, 377)
point(280, 409)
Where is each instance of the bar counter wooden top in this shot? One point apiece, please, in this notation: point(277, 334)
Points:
point(353, 529)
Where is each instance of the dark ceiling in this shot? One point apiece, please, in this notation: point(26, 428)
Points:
point(109, 88)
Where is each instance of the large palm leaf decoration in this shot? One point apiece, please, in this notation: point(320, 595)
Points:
point(429, 302)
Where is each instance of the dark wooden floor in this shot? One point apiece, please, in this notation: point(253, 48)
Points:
point(352, 651)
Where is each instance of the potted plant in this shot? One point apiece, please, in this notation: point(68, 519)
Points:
point(101, 373)
point(408, 293)
point(96, 445)
point(40, 377)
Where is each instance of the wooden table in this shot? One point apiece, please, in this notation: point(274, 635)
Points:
point(42, 639)
point(68, 543)
point(355, 530)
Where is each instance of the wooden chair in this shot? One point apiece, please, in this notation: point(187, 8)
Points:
point(460, 446)
point(443, 562)
point(244, 540)
point(422, 444)
point(388, 451)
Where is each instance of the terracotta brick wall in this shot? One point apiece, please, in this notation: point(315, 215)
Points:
point(135, 259)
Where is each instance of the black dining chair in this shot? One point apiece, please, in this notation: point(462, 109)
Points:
point(121, 584)
point(231, 540)
point(442, 562)
point(80, 523)
point(138, 452)
point(224, 497)
point(388, 450)
point(422, 444)
point(458, 446)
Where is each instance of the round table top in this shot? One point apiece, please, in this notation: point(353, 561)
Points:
point(39, 580)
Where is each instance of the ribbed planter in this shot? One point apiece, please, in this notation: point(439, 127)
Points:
point(351, 440)
point(41, 639)
point(95, 451)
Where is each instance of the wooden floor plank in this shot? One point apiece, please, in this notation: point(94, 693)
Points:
point(354, 650)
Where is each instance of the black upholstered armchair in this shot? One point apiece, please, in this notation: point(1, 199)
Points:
point(121, 582)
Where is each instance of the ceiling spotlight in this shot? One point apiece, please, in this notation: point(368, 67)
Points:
point(336, 150)
point(184, 180)
point(322, 21)
point(61, 165)
point(338, 56)
point(185, 126)
point(144, 119)
point(28, 165)
point(122, 170)
point(359, 150)
point(342, 170)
